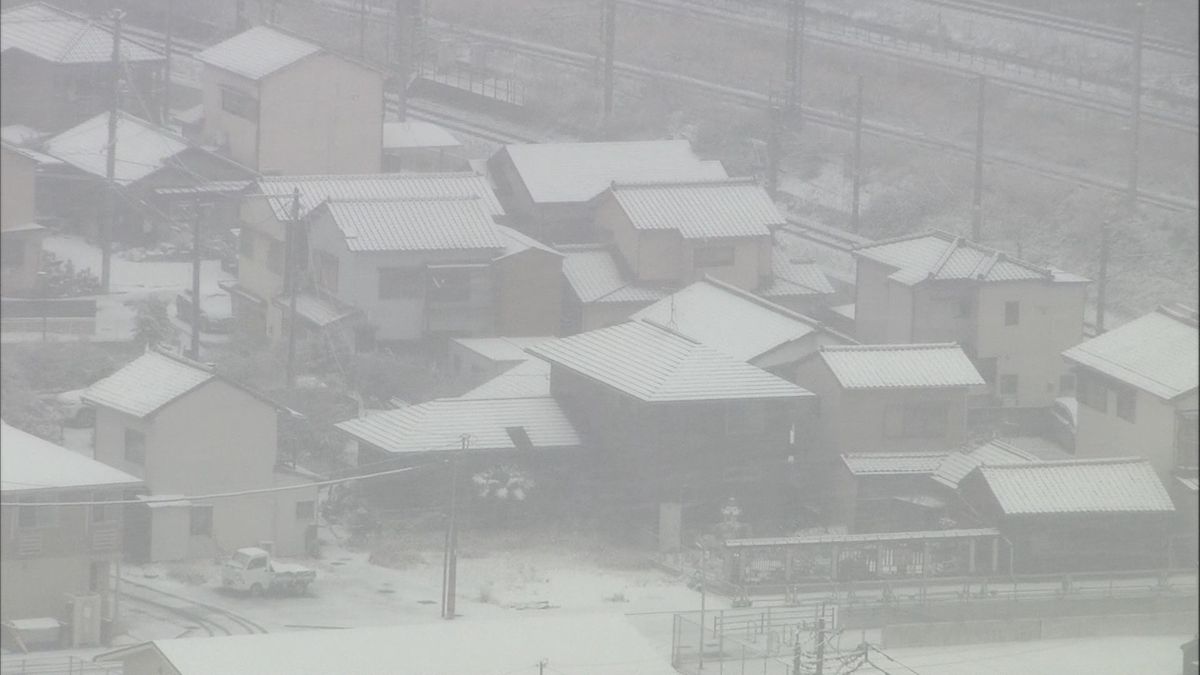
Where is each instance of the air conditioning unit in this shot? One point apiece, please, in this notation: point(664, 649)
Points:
point(85, 614)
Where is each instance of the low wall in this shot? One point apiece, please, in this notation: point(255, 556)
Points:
point(1016, 630)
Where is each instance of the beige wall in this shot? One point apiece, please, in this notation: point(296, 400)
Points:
point(751, 262)
point(259, 223)
point(221, 127)
point(602, 314)
point(882, 308)
point(323, 115)
point(16, 184)
point(1151, 435)
point(289, 537)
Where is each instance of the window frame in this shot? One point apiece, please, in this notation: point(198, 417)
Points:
point(460, 289)
point(239, 103)
point(140, 458)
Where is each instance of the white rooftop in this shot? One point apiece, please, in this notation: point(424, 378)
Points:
point(440, 224)
point(792, 276)
point(892, 463)
point(257, 52)
point(502, 349)
point(530, 379)
point(729, 319)
point(411, 134)
point(30, 463)
point(1158, 353)
point(315, 189)
point(595, 274)
point(655, 364)
point(142, 148)
point(148, 383)
point(900, 366)
point(58, 36)
point(721, 209)
point(1077, 486)
point(957, 465)
point(590, 644)
point(578, 172)
point(943, 256)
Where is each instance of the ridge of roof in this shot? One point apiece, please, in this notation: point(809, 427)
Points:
point(1090, 461)
point(301, 178)
point(180, 358)
point(388, 200)
point(672, 331)
point(955, 241)
point(667, 182)
point(780, 309)
point(918, 346)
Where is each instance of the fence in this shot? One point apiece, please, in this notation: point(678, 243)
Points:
point(721, 654)
point(59, 316)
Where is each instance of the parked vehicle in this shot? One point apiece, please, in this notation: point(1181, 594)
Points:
point(1063, 422)
point(253, 570)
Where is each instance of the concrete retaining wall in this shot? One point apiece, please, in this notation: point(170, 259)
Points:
point(1015, 630)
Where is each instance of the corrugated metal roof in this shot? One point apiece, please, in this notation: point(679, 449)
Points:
point(1078, 486)
point(530, 379)
point(502, 349)
point(735, 322)
point(596, 275)
point(142, 148)
point(792, 277)
point(148, 383)
point(942, 256)
point(654, 364)
point(900, 366)
point(257, 52)
point(412, 134)
point(211, 187)
point(315, 189)
point(30, 463)
point(892, 463)
point(438, 426)
point(558, 173)
point(54, 35)
point(1157, 353)
point(415, 224)
point(700, 210)
point(957, 465)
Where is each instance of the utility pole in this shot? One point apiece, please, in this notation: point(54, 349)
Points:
point(774, 121)
point(795, 54)
point(1102, 281)
point(289, 283)
point(542, 666)
point(820, 646)
point(1136, 105)
point(977, 206)
point(450, 557)
point(362, 29)
point(110, 169)
point(610, 48)
point(167, 46)
point(197, 217)
point(858, 109)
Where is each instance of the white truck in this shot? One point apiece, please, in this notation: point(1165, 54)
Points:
point(252, 570)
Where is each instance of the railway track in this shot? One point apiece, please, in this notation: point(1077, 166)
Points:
point(215, 621)
point(1110, 104)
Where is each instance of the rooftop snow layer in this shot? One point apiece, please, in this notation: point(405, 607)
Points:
point(148, 383)
point(30, 463)
point(595, 274)
point(1157, 353)
point(142, 148)
point(415, 224)
point(900, 366)
point(722, 209)
point(892, 463)
point(530, 379)
point(1077, 486)
point(257, 52)
point(54, 35)
point(315, 189)
point(943, 256)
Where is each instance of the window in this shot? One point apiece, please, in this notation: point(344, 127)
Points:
point(239, 103)
point(713, 256)
point(32, 517)
point(246, 243)
point(327, 270)
point(305, 510)
point(1012, 313)
point(398, 282)
point(916, 420)
point(135, 446)
point(1127, 404)
point(275, 256)
point(202, 520)
point(450, 285)
point(1008, 385)
point(1091, 392)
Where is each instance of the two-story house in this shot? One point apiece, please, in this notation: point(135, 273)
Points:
point(1013, 318)
point(53, 557)
point(282, 105)
point(21, 243)
point(550, 188)
point(57, 67)
point(189, 432)
point(1137, 392)
point(672, 418)
point(890, 397)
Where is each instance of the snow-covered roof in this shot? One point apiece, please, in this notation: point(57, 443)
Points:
point(515, 242)
point(30, 463)
point(502, 349)
point(530, 379)
point(1157, 353)
point(900, 366)
point(440, 224)
point(1077, 486)
point(654, 364)
point(578, 172)
point(956, 465)
point(257, 52)
point(148, 383)
point(792, 277)
point(829, 248)
point(729, 319)
point(142, 148)
point(940, 256)
point(315, 189)
point(595, 274)
point(438, 426)
point(588, 644)
point(412, 134)
point(58, 36)
point(719, 209)
point(892, 463)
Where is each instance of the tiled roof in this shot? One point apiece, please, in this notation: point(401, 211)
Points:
point(578, 172)
point(414, 224)
point(438, 426)
point(595, 274)
point(501, 349)
point(942, 256)
point(257, 52)
point(530, 379)
point(30, 463)
point(54, 35)
point(1156, 353)
point(654, 364)
point(1077, 486)
point(416, 134)
point(892, 463)
point(147, 384)
point(794, 277)
point(731, 320)
point(700, 210)
point(957, 465)
point(142, 148)
point(315, 189)
point(900, 366)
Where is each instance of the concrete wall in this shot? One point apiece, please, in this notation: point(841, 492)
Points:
point(1151, 435)
point(883, 309)
point(37, 587)
point(1030, 629)
point(290, 531)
